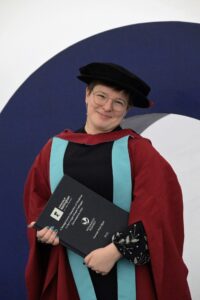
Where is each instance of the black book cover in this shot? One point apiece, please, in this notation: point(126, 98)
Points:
point(85, 220)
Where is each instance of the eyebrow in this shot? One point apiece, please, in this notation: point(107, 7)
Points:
point(118, 98)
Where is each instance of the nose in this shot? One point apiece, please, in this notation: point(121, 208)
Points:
point(108, 105)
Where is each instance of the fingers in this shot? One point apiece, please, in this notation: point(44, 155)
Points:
point(88, 262)
point(31, 224)
point(56, 241)
point(87, 259)
point(100, 273)
point(44, 234)
point(48, 235)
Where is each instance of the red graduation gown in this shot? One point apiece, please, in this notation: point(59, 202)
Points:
point(157, 202)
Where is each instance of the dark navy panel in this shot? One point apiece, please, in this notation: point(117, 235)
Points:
point(141, 122)
point(165, 54)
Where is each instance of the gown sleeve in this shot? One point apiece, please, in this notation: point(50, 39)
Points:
point(157, 203)
point(36, 194)
point(132, 244)
point(37, 189)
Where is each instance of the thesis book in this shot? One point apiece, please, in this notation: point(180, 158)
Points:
point(85, 220)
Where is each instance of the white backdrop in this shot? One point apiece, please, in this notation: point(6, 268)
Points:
point(31, 32)
point(175, 137)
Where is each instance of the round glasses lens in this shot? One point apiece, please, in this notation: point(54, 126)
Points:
point(118, 104)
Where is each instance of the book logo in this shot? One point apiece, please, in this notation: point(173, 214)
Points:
point(56, 214)
point(85, 221)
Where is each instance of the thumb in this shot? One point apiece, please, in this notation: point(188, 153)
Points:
point(87, 259)
point(31, 224)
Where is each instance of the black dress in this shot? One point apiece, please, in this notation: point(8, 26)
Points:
point(92, 166)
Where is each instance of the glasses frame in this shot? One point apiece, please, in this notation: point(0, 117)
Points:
point(115, 103)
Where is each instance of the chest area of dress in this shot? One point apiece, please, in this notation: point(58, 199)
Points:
point(91, 165)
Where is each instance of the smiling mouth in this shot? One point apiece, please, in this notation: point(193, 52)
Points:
point(104, 116)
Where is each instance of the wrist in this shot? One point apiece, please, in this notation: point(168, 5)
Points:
point(115, 252)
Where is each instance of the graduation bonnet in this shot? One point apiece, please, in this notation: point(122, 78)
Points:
point(119, 77)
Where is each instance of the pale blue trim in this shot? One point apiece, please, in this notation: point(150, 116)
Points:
point(122, 195)
point(80, 272)
point(122, 183)
point(56, 161)
point(126, 280)
point(81, 276)
point(122, 191)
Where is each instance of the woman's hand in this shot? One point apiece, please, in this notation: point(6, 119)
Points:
point(46, 235)
point(102, 260)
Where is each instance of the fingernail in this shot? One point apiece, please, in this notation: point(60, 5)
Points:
point(55, 230)
point(52, 228)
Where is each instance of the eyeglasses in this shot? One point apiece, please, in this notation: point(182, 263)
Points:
point(118, 104)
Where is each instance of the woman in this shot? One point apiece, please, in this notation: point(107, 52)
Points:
point(143, 262)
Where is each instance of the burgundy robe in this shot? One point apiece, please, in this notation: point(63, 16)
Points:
point(157, 202)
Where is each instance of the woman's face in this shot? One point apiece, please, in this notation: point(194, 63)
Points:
point(106, 115)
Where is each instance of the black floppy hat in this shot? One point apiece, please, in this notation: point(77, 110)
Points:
point(120, 77)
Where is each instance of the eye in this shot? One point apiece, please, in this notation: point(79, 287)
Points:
point(120, 102)
point(101, 95)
